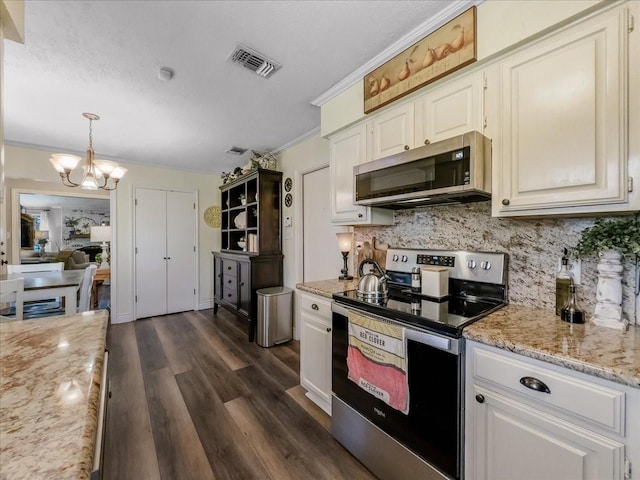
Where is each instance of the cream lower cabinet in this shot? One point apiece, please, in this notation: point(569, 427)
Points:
point(348, 149)
point(564, 103)
point(315, 348)
point(569, 429)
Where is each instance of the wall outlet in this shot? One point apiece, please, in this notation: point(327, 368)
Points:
point(359, 245)
point(575, 268)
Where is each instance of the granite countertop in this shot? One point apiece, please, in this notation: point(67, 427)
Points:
point(326, 288)
point(539, 334)
point(51, 370)
point(599, 351)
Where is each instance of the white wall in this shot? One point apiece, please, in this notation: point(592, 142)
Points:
point(31, 166)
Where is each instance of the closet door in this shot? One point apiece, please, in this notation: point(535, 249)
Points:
point(165, 252)
point(181, 251)
point(150, 253)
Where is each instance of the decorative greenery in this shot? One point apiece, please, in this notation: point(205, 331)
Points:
point(622, 235)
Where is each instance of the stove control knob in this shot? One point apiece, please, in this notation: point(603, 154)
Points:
point(472, 264)
point(395, 257)
point(405, 258)
point(485, 265)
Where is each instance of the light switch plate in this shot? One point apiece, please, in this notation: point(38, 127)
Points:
point(575, 268)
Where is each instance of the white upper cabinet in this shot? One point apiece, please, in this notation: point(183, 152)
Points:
point(393, 131)
point(348, 149)
point(563, 109)
point(452, 109)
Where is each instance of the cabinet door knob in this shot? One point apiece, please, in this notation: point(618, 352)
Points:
point(328, 329)
point(359, 215)
point(242, 284)
point(505, 201)
point(406, 147)
point(480, 398)
point(228, 295)
point(427, 141)
point(535, 384)
point(314, 306)
point(229, 281)
point(229, 268)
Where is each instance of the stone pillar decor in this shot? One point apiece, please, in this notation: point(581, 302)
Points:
point(608, 312)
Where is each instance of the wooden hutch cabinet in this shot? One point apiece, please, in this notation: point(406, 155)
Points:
point(251, 245)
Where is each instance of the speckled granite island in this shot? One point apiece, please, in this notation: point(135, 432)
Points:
point(49, 393)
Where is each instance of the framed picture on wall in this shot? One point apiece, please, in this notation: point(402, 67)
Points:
point(440, 53)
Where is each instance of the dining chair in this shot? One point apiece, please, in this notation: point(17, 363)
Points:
point(86, 285)
point(12, 291)
point(38, 308)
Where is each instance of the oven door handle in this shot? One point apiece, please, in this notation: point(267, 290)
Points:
point(431, 339)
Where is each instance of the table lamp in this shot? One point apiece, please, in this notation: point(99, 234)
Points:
point(102, 234)
point(345, 240)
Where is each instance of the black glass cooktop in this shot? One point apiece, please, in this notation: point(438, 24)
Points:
point(448, 315)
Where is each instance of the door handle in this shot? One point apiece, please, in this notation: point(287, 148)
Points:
point(535, 384)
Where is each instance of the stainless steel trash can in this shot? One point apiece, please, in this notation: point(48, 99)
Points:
point(275, 323)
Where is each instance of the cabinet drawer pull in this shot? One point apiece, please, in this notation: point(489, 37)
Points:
point(427, 141)
point(359, 215)
point(505, 201)
point(229, 268)
point(535, 384)
point(314, 307)
point(328, 329)
point(406, 147)
point(480, 398)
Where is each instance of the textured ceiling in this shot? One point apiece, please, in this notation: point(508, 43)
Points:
point(103, 57)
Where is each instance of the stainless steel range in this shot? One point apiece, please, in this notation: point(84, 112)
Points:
point(398, 363)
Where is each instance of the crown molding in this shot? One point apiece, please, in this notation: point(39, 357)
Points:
point(418, 33)
point(296, 140)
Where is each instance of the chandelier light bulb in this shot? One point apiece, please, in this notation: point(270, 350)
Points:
point(96, 172)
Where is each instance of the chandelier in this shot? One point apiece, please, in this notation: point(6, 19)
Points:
point(96, 172)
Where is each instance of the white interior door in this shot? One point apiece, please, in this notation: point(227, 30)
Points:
point(151, 247)
point(165, 252)
point(322, 259)
point(181, 252)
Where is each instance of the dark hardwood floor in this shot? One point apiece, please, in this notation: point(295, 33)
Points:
point(192, 399)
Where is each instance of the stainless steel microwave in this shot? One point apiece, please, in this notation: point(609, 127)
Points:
point(455, 170)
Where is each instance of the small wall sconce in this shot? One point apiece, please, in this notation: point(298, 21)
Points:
point(345, 241)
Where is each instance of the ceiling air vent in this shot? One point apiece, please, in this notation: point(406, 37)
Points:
point(254, 61)
point(235, 150)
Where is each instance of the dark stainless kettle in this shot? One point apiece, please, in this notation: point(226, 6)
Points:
point(370, 284)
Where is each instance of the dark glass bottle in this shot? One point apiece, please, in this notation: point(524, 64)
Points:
point(571, 312)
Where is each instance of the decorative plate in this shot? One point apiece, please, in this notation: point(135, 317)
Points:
point(241, 220)
point(288, 200)
point(288, 183)
point(212, 216)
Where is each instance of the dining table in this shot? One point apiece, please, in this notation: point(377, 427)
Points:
point(43, 285)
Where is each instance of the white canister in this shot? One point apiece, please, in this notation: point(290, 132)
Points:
point(435, 282)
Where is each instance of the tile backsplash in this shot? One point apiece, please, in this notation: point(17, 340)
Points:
point(533, 246)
